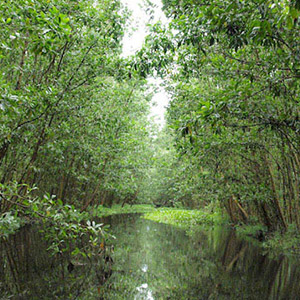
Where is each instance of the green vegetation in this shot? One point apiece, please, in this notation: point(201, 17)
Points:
point(232, 70)
point(210, 264)
point(185, 219)
point(102, 211)
point(62, 225)
point(76, 140)
point(74, 127)
point(193, 219)
point(287, 243)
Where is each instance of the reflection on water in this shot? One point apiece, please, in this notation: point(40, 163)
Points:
point(151, 261)
point(205, 264)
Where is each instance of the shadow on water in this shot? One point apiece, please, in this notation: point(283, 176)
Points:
point(150, 261)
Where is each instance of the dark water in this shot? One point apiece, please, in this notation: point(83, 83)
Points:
point(150, 261)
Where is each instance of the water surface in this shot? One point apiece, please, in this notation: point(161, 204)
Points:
point(150, 261)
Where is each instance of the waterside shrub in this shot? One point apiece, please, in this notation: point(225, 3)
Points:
point(62, 224)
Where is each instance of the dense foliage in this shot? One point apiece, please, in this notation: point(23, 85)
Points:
point(74, 129)
point(232, 69)
point(77, 143)
point(70, 114)
point(74, 113)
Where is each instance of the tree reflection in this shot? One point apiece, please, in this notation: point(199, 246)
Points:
point(203, 264)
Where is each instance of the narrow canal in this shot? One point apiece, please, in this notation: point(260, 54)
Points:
point(148, 261)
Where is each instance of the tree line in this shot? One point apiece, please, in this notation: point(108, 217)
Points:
point(74, 128)
point(232, 70)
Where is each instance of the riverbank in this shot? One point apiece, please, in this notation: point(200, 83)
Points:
point(148, 259)
point(276, 242)
point(182, 218)
point(102, 211)
point(186, 219)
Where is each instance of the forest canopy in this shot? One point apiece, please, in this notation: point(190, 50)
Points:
point(75, 131)
point(232, 69)
point(74, 128)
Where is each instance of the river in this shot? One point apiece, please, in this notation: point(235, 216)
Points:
point(149, 261)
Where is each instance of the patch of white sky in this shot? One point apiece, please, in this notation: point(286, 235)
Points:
point(133, 40)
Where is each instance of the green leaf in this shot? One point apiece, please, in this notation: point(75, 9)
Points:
point(289, 22)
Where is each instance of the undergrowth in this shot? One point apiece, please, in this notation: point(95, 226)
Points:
point(272, 242)
point(287, 243)
point(185, 218)
point(101, 211)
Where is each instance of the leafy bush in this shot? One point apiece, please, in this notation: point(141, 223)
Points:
point(63, 225)
point(9, 224)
